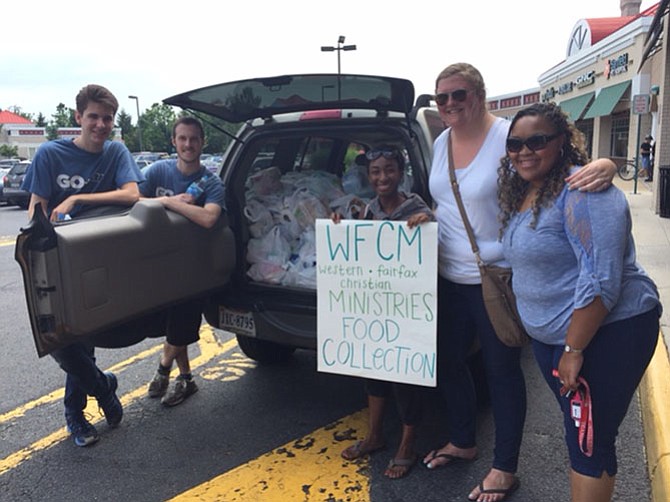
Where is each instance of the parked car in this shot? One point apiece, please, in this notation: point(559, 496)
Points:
point(5, 166)
point(11, 190)
point(150, 156)
point(142, 164)
point(301, 136)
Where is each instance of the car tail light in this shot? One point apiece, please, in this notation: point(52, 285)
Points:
point(321, 114)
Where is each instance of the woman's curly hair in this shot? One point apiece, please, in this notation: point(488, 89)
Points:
point(512, 188)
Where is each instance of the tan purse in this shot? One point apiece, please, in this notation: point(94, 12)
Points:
point(497, 293)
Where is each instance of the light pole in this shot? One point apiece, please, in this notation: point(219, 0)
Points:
point(339, 48)
point(139, 127)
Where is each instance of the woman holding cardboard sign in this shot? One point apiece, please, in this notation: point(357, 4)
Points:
point(385, 169)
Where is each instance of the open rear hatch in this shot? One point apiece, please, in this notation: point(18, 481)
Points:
point(264, 97)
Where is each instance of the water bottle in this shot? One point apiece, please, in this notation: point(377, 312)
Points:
point(197, 188)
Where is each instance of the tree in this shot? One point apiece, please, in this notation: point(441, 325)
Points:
point(9, 151)
point(17, 111)
point(156, 123)
point(64, 117)
point(128, 131)
point(41, 120)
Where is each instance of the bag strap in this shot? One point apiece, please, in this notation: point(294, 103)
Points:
point(459, 201)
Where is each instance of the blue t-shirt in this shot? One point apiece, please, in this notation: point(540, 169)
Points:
point(61, 169)
point(163, 178)
point(581, 247)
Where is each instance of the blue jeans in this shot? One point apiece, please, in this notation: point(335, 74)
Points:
point(614, 363)
point(83, 376)
point(461, 317)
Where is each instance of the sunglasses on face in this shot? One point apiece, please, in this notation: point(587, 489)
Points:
point(534, 143)
point(459, 95)
point(375, 154)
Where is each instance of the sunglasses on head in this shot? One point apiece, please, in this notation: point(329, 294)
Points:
point(375, 154)
point(459, 95)
point(534, 143)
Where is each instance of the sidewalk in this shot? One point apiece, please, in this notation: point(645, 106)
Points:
point(652, 241)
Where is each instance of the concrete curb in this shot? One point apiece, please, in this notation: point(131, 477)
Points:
point(655, 408)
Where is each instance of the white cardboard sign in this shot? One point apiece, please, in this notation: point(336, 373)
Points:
point(377, 300)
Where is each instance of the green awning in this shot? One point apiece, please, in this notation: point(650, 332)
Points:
point(607, 100)
point(574, 108)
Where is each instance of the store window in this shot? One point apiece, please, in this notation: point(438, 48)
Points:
point(586, 128)
point(619, 138)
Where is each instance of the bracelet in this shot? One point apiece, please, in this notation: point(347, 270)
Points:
point(568, 348)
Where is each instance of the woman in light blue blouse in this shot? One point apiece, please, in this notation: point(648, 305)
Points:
point(590, 308)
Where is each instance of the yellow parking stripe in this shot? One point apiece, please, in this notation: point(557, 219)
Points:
point(309, 468)
point(210, 347)
point(58, 394)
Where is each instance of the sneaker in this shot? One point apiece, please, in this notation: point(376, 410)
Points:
point(83, 432)
point(181, 389)
point(110, 404)
point(159, 385)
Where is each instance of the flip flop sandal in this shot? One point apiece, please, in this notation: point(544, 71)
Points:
point(357, 451)
point(406, 463)
point(505, 492)
point(452, 460)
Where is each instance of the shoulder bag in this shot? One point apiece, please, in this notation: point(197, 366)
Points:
point(497, 293)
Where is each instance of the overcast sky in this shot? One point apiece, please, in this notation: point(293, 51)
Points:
point(154, 49)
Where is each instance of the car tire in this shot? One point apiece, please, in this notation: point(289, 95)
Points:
point(23, 204)
point(263, 351)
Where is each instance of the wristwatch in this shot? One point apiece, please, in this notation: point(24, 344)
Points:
point(568, 348)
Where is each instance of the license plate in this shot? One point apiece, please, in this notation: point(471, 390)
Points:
point(237, 321)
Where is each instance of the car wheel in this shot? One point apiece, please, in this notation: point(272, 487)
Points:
point(263, 351)
point(23, 204)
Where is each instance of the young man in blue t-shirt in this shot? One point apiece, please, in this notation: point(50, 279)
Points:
point(65, 177)
point(186, 187)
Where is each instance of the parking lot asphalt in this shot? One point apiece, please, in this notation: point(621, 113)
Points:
point(652, 240)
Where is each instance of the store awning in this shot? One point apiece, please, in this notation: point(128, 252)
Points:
point(607, 100)
point(574, 108)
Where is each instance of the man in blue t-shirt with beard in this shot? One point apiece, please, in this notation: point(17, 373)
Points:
point(183, 185)
point(65, 178)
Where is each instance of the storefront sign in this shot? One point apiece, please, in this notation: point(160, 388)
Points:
point(548, 94)
point(565, 88)
point(616, 66)
point(377, 300)
point(585, 79)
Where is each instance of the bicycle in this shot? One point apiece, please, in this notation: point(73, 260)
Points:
point(626, 171)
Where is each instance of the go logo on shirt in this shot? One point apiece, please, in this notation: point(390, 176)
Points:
point(164, 192)
point(64, 181)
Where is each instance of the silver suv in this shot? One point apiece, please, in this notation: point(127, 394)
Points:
point(293, 159)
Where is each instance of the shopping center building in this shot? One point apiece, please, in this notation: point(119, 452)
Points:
point(20, 132)
point(612, 84)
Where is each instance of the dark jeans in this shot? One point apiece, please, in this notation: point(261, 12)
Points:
point(461, 317)
point(614, 363)
point(83, 376)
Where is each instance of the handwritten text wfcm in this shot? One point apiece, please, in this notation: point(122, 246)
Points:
point(390, 240)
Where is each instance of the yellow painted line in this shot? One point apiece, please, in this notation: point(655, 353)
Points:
point(7, 242)
point(58, 393)
point(655, 397)
point(210, 347)
point(309, 468)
